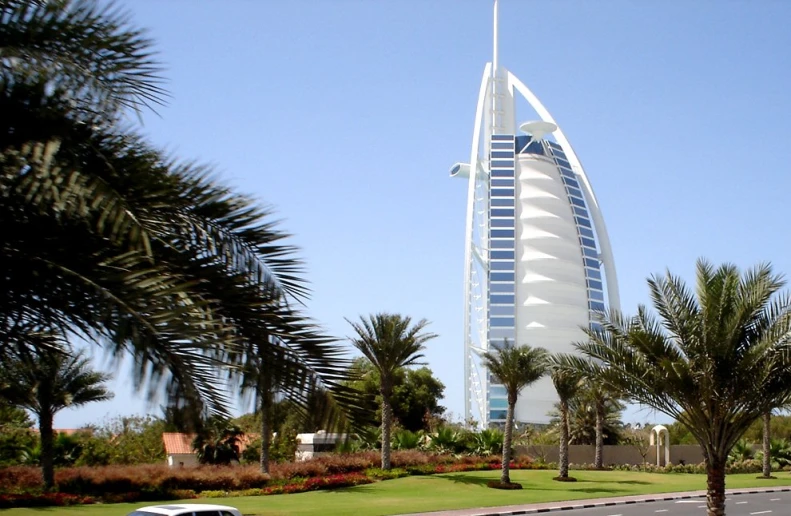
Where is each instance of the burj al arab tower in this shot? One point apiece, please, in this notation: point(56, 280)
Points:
point(538, 262)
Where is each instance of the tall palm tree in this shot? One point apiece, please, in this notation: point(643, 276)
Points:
point(515, 367)
point(567, 384)
point(110, 238)
point(282, 367)
point(715, 359)
point(601, 399)
point(766, 463)
point(389, 342)
point(46, 383)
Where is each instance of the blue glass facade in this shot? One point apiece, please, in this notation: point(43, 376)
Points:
point(502, 259)
point(587, 239)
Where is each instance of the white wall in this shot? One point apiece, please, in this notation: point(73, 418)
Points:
point(551, 293)
point(186, 459)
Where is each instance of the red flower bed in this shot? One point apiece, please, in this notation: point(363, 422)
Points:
point(114, 484)
point(158, 480)
point(316, 483)
point(42, 500)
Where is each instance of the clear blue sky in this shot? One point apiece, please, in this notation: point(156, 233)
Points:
point(345, 115)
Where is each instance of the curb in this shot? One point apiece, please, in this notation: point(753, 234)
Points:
point(589, 505)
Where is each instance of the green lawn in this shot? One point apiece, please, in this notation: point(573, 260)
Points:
point(445, 491)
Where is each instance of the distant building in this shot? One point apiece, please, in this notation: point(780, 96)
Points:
point(317, 444)
point(179, 450)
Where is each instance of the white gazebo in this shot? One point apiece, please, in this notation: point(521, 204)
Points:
point(660, 438)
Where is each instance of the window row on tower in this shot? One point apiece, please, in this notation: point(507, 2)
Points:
point(585, 234)
point(502, 260)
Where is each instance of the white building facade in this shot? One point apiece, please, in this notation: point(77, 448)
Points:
point(538, 262)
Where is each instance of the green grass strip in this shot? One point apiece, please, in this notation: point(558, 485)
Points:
point(442, 492)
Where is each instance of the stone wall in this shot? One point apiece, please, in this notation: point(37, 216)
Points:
point(623, 454)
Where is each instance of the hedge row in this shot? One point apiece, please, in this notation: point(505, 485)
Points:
point(160, 480)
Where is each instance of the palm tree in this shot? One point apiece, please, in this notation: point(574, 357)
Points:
point(46, 383)
point(218, 442)
point(597, 396)
point(314, 394)
point(515, 367)
point(111, 239)
point(389, 342)
point(715, 359)
point(81, 49)
point(766, 458)
point(766, 463)
point(566, 384)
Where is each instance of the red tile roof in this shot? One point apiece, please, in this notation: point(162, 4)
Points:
point(176, 442)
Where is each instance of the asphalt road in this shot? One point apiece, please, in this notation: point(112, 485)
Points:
point(765, 502)
point(771, 504)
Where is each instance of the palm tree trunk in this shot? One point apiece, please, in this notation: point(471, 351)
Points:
point(598, 461)
point(45, 418)
point(767, 462)
point(266, 430)
point(387, 421)
point(715, 484)
point(564, 439)
point(505, 476)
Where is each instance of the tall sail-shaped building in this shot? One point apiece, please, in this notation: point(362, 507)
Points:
point(538, 262)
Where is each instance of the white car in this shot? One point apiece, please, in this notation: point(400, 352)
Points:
point(186, 509)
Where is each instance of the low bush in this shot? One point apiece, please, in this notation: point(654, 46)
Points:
point(162, 482)
point(8, 501)
point(20, 479)
point(382, 474)
point(156, 480)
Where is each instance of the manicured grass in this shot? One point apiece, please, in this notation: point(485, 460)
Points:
point(444, 491)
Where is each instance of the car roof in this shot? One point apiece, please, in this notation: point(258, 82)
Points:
point(176, 508)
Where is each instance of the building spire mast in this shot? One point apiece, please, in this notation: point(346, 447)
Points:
point(496, 115)
point(494, 47)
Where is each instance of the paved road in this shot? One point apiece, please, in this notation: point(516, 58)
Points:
point(745, 502)
point(770, 504)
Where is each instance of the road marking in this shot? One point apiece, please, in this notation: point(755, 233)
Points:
point(759, 512)
point(688, 501)
point(661, 510)
point(774, 499)
point(702, 507)
point(615, 515)
point(740, 503)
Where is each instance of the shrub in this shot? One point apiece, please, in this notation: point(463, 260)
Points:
point(214, 494)
point(157, 480)
point(349, 463)
point(406, 440)
point(488, 441)
point(308, 468)
point(8, 501)
point(382, 474)
point(744, 466)
point(135, 483)
point(20, 479)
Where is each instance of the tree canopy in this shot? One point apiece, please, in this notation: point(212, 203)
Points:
point(111, 239)
point(416, 394)
point(715, 358)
